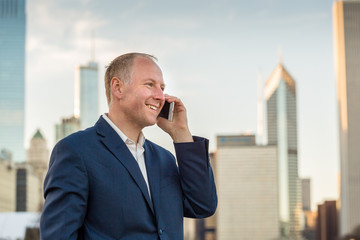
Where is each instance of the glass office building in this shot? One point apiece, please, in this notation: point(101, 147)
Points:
point(346, 16)
point(86, 94)
point(280, 93)
point(12, 77)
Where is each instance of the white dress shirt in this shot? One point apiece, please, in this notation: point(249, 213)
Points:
point(136, 149)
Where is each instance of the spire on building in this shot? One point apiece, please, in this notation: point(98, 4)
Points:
point(277, 75)
point(280, 56)
point(92, 46)
point(86, 90)
point(38, 134)
point(38, 152)
point(260, 108)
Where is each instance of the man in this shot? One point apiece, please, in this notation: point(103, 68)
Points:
point(108, 182)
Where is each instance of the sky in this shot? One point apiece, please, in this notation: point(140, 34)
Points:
point(211, 53)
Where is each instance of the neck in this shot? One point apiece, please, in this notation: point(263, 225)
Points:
point(130, 130)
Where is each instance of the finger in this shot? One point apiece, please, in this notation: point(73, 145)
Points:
point(170, 98)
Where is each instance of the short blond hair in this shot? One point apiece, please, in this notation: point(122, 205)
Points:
point(121, 67)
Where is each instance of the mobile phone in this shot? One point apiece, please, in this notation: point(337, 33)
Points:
point(167, 111)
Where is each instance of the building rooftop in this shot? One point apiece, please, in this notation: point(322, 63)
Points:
point(38, 134)
point(279, 73)
point(13, 224)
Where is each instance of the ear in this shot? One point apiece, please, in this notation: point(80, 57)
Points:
point(117, 88)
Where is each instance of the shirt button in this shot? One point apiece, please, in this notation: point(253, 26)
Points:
point(160, 231)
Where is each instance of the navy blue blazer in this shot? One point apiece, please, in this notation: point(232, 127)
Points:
point(94, 188)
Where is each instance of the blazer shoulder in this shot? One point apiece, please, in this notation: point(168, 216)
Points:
point(78, 137)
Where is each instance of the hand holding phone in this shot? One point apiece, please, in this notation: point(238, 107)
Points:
point(167, 111)
point(176, 126)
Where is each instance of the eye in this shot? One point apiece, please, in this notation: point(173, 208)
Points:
point(149, 84)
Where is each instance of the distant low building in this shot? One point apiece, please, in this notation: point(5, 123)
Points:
point(14, 224)
point(205, 229)
point(7, 182)
point(327, 227)
point(306, 194)
point(66, 127)
point(247, 184)
point(38, 159)
point(309, 232)
point(27, 189)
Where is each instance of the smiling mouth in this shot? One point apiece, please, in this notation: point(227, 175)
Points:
point(152, 107)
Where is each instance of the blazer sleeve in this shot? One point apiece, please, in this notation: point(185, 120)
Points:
point(197, 178)
point(65, 192)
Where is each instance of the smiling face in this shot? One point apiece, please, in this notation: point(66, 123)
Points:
point(142, 98)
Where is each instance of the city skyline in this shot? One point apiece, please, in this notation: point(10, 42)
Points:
point(210, 55)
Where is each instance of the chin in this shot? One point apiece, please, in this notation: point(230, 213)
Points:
point(151, 122)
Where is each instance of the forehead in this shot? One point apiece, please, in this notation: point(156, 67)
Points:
point(145, 69)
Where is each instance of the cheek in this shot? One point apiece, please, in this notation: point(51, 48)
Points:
point(137, 102)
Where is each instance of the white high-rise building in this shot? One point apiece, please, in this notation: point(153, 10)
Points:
point(346, 16)
point(246, 178)
point(280, 94)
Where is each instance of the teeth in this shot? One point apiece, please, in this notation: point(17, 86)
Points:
point(152, 107)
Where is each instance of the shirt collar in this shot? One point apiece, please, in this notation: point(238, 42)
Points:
point(126, 140)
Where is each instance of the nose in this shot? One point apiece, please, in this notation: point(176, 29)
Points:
point(159, 94)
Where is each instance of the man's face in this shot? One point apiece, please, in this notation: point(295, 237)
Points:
point(143, 97)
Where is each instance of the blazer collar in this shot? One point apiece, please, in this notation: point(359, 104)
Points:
point(118, 148)
point(153, 167)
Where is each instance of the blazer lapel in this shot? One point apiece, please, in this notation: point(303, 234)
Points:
point(152, 162)
point(118, 148)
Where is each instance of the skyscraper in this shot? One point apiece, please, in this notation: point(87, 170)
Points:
point(86, 94)
point(347, 61)
point(12, 77)
point(280, 94)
